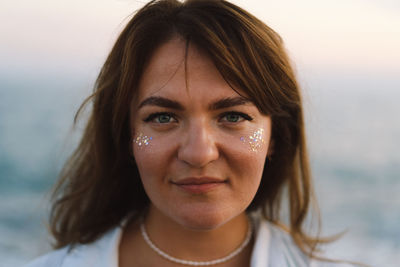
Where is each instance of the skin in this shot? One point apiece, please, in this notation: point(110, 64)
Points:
point(197, 139)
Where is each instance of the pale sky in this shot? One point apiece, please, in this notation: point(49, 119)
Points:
point(76, 35)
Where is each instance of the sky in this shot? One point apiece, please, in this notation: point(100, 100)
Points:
point(55, 37)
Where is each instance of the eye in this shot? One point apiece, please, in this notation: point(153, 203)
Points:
point(235, 117)
point(161, 117)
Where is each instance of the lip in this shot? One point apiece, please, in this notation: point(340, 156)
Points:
point(199, 185)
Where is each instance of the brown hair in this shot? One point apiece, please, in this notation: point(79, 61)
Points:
point(100, 183)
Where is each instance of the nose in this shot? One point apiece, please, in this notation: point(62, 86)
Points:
point(198, 146)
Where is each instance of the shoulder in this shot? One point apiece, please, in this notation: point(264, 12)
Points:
point(54, 258)
point(316, 263)
point(275, 247)
point(101, 253)
point(293, 255)
point(283, 250)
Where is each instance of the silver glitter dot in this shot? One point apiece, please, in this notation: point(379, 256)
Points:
point(256, 140)
point(142, 139)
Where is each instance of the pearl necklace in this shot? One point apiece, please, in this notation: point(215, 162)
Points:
point(197, 263)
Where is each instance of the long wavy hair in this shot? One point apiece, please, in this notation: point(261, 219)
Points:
point(100, 184)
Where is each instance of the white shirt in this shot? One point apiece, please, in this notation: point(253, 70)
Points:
point(273, 248)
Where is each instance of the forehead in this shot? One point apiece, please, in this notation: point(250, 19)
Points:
point(163, 64)
point(176, 69)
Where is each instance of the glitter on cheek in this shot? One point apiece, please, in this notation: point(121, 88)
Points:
point(142, 140)
point(255, 141)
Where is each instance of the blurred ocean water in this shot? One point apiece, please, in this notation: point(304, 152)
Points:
point(35, 138)
point(354, 146)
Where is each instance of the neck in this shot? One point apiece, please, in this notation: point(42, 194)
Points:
point(195, 243)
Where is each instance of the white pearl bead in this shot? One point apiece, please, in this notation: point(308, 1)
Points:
point(197, 263)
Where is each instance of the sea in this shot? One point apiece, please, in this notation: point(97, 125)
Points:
point(353, 132)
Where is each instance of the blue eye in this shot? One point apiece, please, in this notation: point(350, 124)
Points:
point(234, 117)
point(163, 118)
point(160, 117)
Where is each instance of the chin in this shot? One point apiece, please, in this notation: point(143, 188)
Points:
point(203, 220)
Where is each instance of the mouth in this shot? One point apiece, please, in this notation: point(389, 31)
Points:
point(199, 185)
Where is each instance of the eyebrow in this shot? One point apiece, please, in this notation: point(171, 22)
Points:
point(161, 102)
point(229, 102)
point(219, 104)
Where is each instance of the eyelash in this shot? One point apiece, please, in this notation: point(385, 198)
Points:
point(235, 113)
point(153, 116)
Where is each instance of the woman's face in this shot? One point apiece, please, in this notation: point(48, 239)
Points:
point(199, 146)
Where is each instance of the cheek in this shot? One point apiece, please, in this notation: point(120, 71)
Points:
point(249, 147)
point(144, 152)
point(153, 156)
point(141, 140)
point(248, 168)
point(142, 147)
point(247, 159)
point(248, 164)
point(256, 140)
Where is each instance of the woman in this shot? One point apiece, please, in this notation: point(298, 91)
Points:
point(195, 138)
